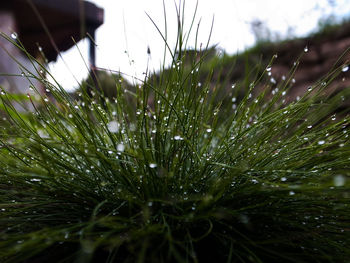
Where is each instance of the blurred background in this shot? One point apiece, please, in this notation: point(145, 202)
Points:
point(126, 36)
point(122, 41)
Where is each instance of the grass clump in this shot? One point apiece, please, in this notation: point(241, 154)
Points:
point(168, 172)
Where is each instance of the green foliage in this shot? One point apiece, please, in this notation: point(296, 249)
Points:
point(171, 171)
point(103, 83)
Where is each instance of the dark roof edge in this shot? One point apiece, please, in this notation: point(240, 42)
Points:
point(72, 7)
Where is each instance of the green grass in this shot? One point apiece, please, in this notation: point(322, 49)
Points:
point(171, 171)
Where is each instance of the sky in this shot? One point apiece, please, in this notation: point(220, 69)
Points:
point(122, 41)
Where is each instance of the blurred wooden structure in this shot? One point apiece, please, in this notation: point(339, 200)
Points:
point(47, 26)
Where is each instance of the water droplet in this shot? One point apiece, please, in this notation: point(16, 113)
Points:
point(284, 93)
point(234, 99)
point(152, 165)
point(14, 35)
point(309, 126)
point(309, 88)
point(321, 142)
point(345, 68)
point(255, 181)
point(339, 180)
point(283, 179)
point(178, 138)
point(291, 193)
point(150, 204)
point(3, 92)
point(76, 107)
point(35, 180)
point(43, 134)
point(120, 147)
point(113, 126)
point(244, 219)
point(209, 130)
point(273, 81)
point(110, 152)
point(132, 127)
point(306, 49)
point(268, 69)
point(70, 116)
point(233, 86)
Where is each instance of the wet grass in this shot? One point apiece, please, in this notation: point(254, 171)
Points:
point(169, 171)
